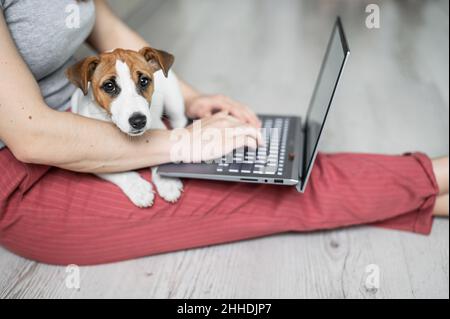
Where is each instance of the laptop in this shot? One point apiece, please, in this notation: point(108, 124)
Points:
point(291, 144)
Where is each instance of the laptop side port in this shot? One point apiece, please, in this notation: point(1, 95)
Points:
point(278, 181)
point(249, 179)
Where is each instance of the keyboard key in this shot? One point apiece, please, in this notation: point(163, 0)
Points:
point(239, 152)
point(270, 170)
point(246, 167)
point(234, 167)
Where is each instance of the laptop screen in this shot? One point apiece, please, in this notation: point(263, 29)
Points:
point(332, 66)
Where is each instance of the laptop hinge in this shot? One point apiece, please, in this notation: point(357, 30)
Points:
point(301, 155)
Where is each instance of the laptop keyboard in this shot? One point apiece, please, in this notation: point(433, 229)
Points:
point(268, 159)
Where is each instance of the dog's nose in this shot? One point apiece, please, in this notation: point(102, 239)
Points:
point(137, 121)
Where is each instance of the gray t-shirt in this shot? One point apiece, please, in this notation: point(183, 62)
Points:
point(47, 33)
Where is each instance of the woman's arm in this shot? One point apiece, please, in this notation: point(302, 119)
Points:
point(110, 32)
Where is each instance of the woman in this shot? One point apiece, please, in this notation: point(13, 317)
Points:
point(52, 212)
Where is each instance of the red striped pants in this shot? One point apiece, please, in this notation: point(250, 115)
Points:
point(61, 217)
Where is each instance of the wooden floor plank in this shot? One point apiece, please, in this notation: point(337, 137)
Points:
point(393, 98)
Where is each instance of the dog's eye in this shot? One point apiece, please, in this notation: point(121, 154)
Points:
point(109, 87)
point(144, 81)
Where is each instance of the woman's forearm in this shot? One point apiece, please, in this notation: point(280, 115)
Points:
point(81, 144)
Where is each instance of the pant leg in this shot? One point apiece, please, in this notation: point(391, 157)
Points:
point(396, 192)
point(61, 217)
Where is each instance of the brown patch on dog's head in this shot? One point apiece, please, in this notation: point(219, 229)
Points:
point(81, 73)
point(101, 73)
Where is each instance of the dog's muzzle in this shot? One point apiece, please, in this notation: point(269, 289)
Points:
point(137, 121)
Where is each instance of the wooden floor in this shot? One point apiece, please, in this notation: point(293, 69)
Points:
point(394, 97)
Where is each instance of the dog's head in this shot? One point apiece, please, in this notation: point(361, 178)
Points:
point(122, 83)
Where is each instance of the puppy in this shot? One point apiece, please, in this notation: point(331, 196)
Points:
point(131, 89)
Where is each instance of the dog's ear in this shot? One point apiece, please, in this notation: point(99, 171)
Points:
point(81, 73)
point(158, 60)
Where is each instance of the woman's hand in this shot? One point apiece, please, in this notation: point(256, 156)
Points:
point(212, 137)
point(201, 106)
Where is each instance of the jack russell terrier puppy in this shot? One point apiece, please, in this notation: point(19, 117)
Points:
point(131, 89)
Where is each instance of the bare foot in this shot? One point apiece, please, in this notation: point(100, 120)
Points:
point(441, 171)
point(441, 206)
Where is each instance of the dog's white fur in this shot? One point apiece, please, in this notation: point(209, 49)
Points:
point(167, 96)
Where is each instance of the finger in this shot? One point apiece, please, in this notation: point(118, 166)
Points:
point(258, 136)
point(235, 108)
point(248, 141)
point(239, 114)
point(221, 114)
point(205, 113)
point(226, 122)
point(246, 113)
point(254, 119)
point(248, 131)
point(251, 116)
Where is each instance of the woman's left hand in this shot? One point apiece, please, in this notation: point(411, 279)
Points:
point(202, 106)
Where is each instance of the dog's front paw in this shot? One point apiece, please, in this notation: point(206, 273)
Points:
point(140, 192)
point(169, 189)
